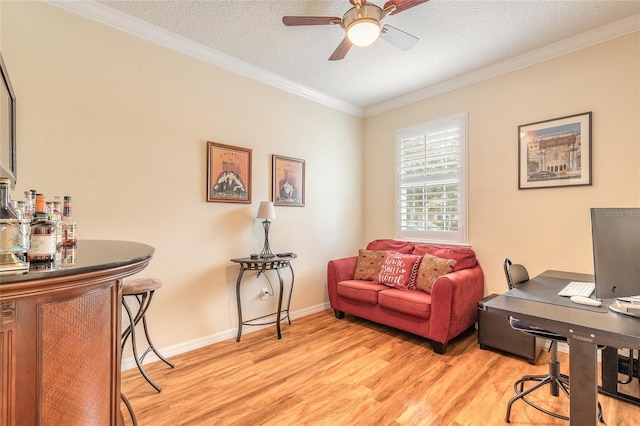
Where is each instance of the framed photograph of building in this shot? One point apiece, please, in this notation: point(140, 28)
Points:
point(228, 173)
point(555, 153)
point(288, 181)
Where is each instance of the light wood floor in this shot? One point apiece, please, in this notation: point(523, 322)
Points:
point(327, 371)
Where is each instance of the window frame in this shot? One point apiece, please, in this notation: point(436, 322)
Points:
point(459, 237)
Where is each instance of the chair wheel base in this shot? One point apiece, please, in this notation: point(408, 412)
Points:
point(560, 383)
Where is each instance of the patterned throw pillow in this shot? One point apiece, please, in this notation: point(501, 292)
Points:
point(368, 264)
point(431, 268)
point(464, 256)
point(399, 270)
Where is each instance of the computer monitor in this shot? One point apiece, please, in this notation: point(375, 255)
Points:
point(616, 251)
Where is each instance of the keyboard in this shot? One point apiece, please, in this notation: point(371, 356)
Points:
point(578, 288)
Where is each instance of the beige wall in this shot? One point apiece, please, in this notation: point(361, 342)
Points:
point(542, 228)
point(121, 125)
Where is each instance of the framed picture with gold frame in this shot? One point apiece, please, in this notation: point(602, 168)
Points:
point(228, 173)
point(288, 181)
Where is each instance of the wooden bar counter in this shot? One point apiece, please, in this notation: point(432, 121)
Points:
point(60, 337)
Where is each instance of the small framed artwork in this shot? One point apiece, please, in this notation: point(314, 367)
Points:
point(228, 173)
point(555, 153)
point(288, 181)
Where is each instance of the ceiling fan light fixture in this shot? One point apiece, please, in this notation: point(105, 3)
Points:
point(363, 32)
point(362, 24)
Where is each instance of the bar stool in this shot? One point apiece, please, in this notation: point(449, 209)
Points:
point(142, 290)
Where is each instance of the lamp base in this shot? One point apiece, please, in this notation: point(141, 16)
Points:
point(266, 250)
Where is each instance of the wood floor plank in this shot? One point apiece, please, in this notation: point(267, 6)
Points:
point(326, 371)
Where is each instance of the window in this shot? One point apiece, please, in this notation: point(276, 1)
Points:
point(431, 181)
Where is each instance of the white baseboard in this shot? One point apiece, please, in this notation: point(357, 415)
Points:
point(191, 345)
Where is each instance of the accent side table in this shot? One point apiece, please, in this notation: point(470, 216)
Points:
point(262, 265)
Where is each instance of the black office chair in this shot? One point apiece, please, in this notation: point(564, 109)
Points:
point(515, 275)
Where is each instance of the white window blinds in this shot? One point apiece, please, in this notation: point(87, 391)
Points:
point(431, 181)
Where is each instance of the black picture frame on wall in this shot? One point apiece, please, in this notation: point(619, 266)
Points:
point(555, 153)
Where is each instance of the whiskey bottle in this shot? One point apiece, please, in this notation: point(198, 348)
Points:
point(43, 234)
point(68, 225)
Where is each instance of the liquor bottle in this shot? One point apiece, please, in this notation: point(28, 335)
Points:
point(6, 208)
point(19, 207)
point(57, 221)
point(57, 205)
point(27, 204)
point(39, 203)
point(49, 209)
point(24, 233)
point(43, 234)
point(57, 209)
point(68, 225)
point(30, 203)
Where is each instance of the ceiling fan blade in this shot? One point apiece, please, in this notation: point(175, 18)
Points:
point(402, 5)
point(341, 50)
point(398, 38)
point(292, 21)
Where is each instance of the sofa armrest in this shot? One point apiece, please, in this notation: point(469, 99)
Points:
point(454, 302)
point(339, 270)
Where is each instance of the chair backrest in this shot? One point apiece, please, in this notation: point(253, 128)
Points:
point(514, 273)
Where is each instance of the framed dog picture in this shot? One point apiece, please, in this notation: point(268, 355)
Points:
point(288, 181)
point(228, 173)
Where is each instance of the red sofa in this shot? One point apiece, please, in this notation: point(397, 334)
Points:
point(448, 310)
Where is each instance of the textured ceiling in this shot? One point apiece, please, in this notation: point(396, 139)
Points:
point(456, 38)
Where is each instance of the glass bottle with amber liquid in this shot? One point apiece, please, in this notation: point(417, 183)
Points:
point(43, 234)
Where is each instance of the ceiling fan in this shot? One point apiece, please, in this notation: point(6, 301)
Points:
point(363, 25)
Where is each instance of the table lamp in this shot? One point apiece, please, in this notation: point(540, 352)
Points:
point(266, 212)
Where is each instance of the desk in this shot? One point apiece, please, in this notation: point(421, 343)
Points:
point(585, 330)
point(262, 265)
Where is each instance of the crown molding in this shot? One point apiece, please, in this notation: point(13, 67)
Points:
point(134, 26)
point(598, 35)
point(139, 28)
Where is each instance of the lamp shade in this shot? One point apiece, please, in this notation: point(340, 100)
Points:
point(266, 210)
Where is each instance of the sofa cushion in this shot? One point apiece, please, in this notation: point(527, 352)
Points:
point(464, 256)
point(362, 291)
point(431, 268)
point(399, 270)
point(391, 245)
point(411, 302)
point(368, 264)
